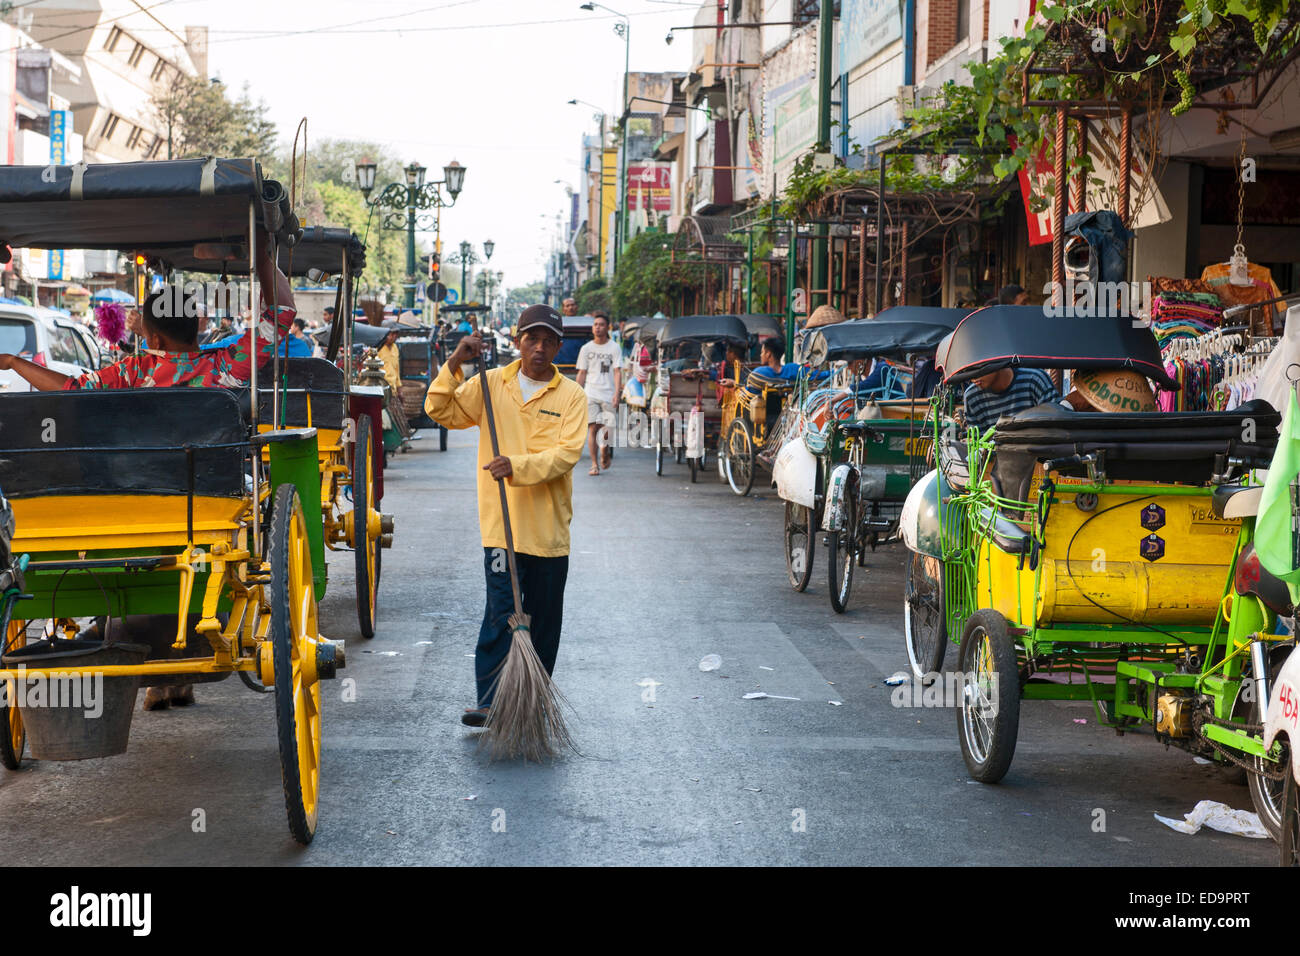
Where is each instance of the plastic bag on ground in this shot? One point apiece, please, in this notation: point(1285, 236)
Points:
point(1218, 816)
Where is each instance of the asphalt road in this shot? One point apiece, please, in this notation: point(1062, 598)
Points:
point(677, 768)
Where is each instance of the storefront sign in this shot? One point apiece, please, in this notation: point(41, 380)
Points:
point(866, 28)
point(60, 121)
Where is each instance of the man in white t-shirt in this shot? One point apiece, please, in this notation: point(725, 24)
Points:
point(600, 374)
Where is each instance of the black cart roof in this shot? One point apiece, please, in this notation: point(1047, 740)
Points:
point(137, 205)
point(320, 248)
point(870, 338)
point(929, 314)
point(1003, 336)
point(704, 328)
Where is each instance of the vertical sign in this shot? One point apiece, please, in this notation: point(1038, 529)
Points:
point(59, 122)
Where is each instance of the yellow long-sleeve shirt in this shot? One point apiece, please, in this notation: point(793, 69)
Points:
point(391, 359)
point(543, 438)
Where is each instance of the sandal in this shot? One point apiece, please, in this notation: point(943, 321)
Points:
point(475, 717)
point(594, 471)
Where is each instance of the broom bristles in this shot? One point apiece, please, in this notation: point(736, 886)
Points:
point(526, 718)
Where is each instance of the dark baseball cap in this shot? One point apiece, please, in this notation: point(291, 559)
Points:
point(542, 315)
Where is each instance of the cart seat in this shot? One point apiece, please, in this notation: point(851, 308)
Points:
point(1006, 534)
point(317, 378)
point(1236, 501)
point(128, 441)
point(1175, 447)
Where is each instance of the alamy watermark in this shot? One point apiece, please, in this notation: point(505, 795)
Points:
point(74, 690)
point(193, 299)
point(979, 692)
point(1084, 298)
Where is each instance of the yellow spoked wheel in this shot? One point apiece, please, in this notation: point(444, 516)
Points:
point(365, 546)
point(294, 639)
point(13, 737)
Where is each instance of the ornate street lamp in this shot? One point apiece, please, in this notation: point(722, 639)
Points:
point(467, 259)
point(412, 198)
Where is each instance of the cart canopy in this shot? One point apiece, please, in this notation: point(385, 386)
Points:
point(705, 328)
point(870, 338)
point(929, 314)
point(172, 203)
point(649, 331)
point(321, 248)
point(1005, 336)
point(762, 326)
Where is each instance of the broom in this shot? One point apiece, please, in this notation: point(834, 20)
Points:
point(525, 719)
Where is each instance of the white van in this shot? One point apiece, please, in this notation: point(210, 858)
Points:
point(46, 337)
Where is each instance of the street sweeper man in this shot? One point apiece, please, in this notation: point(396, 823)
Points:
point(541, 422)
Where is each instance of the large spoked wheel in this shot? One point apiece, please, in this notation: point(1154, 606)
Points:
point(843, 545)
point(1290, 819)
point(659, 454)
point(365, 547)
point(722, 458)
point(799, 537)
point(293, 637)
point(927, 632)
point(988, 714)
point(13, 736)
point(740, 456)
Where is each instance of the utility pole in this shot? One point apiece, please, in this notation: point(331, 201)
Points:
point(822, 151)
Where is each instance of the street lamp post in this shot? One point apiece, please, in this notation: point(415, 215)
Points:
point(411, 198)
point(467, 259)
point(624, 30)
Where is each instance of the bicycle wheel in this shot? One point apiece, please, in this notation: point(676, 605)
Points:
point(843, 547)
point(988, 714)
point(799, 540)
point(927, 632)
point(740, 457)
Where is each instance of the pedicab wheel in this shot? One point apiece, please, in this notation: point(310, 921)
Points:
point(927, 631)
point(1265, 793)
point(798, 545)
point(842, 554)
point(681, 454)
point(442, 438)
point(696, 466)
point(740, 457)
point(292, 635)
point(1290, 819)
point(365, 547)
point(659, 456)
point(13, 735)
point(988, 714)
point(721, 456)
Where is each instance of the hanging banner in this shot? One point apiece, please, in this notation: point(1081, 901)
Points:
point(866, 28)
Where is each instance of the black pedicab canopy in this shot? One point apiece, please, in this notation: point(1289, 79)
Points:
point(320, 249)
point(929, 314)
point(649, 331)
point(764, 326)
point(870, 338)
point(704, 328)
point(1006, 336)
point(171, 203)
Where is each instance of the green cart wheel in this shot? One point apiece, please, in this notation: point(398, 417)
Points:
point(988, 714)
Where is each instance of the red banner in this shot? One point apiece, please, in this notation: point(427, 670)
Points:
point(649, 186)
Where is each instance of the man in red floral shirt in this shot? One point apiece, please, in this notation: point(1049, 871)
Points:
point(173, 356)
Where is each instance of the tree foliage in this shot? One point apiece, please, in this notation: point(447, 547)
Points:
point(593, 295)
point(648, 279)
point(200, 118)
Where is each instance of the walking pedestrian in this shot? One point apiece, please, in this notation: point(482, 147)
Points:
point(540, 421)
point(569, 306)
point(601, 376)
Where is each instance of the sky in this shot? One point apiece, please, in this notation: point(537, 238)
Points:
point(484, 82)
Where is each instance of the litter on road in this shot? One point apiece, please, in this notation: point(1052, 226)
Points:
point(1218, 816)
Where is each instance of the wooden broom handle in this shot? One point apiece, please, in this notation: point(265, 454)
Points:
point(501, 484)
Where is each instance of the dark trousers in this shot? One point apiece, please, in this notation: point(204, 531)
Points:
point(541, 584)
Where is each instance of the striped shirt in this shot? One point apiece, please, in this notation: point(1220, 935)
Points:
point(1029, 387)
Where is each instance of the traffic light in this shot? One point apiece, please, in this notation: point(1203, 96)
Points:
point(434, 265)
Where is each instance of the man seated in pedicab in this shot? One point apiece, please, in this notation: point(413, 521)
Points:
point(734, 358)
point(170, 324)
point(1006, 392)
point(173, 357)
